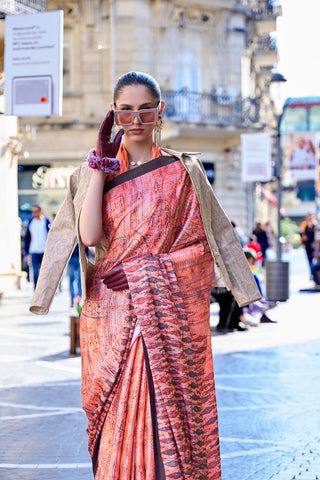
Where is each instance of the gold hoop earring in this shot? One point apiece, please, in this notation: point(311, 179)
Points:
point(157, 132)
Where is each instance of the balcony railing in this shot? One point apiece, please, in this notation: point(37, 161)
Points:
point(265, 43)
point(209, 109)
point(260, 9)
point(21, 6)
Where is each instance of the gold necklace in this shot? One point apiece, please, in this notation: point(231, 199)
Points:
point(138, 163)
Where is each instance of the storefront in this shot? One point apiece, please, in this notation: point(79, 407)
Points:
point(45, 185)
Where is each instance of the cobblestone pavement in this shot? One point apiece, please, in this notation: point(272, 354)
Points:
point(42, 424)
point(267, 381)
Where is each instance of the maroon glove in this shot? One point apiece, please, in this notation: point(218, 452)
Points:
point(105, 148)
point(115, 279)
point(104, 157)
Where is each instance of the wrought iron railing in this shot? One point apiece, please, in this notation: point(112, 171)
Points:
point(265, 43)
point(260, 9)
point(209, 109)
point(21, 6)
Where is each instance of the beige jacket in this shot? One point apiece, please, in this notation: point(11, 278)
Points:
point(229, 258)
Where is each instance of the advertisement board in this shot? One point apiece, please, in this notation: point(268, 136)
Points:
point(301, 163)
point(256, 157)
point(33, 64)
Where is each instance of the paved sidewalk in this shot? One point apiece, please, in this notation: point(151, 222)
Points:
point(267, 381)
point(42, 423)
point(268, 390)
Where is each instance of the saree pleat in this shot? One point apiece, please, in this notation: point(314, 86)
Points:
point(153, 226)
point(126, 441)
point(179, 355)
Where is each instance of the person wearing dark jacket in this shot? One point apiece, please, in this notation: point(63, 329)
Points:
point(262, 238)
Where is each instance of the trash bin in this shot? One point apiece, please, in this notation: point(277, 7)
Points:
point(277, 281)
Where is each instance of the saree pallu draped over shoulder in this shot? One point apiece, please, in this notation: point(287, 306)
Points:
point(147, 370)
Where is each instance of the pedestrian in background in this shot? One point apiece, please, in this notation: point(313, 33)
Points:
point(25, 267)
point(253, 244)
point(259, 308)
point(315, 267)
point(35, 240)
point(73, 272)
point(242, 237)
point(271, 250)
point(230, 314)
point(262, 238)
point(147, 371)
point(307, 229)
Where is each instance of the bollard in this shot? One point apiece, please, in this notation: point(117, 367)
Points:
point(74, 334)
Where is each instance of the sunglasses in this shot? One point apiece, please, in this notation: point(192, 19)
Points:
point(126, 117)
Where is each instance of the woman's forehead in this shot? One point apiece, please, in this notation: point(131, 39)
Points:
point(135, 95)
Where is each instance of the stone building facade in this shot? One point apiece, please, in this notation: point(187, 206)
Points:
point(212, 59)
point(10, 148)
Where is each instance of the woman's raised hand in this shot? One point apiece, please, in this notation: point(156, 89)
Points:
point(105, 148)
point(115, 279)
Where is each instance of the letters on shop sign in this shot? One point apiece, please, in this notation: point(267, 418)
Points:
point(51, 178)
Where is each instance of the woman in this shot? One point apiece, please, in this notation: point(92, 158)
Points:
point(311, 156)
point(147, 374)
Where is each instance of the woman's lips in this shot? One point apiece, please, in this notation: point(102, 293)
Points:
point(136, 131)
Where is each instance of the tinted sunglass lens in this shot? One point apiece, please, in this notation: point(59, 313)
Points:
point(148, 117)
point(125, 118)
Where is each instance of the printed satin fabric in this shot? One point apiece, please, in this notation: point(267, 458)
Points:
point(153, 226)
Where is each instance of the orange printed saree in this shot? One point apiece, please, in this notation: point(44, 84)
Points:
point(147, 372)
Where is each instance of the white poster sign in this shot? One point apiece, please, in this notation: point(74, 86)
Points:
point(256, 157)
point(33, 64)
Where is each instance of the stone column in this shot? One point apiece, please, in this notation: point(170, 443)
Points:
point(10, 225)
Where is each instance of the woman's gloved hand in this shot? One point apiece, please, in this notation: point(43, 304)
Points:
point(115, 279)
point(105, 148)
point(104, 157)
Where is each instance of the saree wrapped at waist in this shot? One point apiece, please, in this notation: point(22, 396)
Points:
point(153, 226)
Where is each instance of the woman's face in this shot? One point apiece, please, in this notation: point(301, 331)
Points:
point(137, 97)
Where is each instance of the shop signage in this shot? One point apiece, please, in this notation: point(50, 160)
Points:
point(33, 64)
point(256, 157)
point(51, 177)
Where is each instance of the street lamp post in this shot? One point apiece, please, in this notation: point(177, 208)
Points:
point(277, 272)
point(279, 186)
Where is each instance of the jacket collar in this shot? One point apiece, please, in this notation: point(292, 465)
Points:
point(179, 155)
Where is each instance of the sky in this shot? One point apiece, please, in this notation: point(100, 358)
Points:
point(298, 40)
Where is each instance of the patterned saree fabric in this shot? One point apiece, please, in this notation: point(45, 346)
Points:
point(153, 226)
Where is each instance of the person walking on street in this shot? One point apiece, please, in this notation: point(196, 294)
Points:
point(73, 272)
point(262, 238)
point(230, 314)
point(35, 240)
point(315, 267)
point(156, 225)
point(307, 229)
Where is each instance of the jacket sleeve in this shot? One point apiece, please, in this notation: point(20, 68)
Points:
point(225, 246)
point(59, 247)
